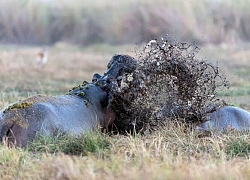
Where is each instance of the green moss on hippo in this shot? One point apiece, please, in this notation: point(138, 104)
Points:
point(18, 106)
point(97, 84)
point(82, 93)
point(86, 103)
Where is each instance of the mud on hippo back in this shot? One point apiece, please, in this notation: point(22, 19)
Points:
point(83, 109)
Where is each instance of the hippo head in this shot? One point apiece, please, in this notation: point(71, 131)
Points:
point(118, 66)
point(121, 64)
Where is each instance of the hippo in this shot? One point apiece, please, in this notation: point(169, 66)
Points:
point(83, 109)
point(226, 117)
point(220, 118)
point(50, 114)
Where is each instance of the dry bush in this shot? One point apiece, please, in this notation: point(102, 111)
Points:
point(169, 82)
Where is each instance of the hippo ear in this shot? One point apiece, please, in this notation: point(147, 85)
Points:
point(120, 65)
point(96, 77)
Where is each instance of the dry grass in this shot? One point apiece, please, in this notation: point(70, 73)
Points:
point(67, 66)
point(169, 153)
point(233, 61)
point(126, 21)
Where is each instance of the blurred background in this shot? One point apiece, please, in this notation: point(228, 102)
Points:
point(86, 22)
point(79, 37)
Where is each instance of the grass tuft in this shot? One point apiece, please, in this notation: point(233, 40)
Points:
point(69, 144)
point(238, 148)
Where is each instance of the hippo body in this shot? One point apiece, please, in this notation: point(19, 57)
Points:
point(226, 117)
point(50, 114)
point(85, 108)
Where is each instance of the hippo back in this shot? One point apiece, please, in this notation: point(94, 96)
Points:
point(227, 117)
point(50, 114)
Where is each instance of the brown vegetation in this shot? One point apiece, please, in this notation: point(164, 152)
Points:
point(126, 21)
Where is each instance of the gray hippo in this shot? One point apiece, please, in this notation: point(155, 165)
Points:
point(214, 118)
point(220, 118)
point(83, 109)
point(226, 117)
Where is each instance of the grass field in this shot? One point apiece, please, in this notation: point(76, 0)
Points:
point(169, 153)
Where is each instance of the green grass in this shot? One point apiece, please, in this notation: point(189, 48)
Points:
point(92, 142)
point(238, 148)
point(235, 91)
